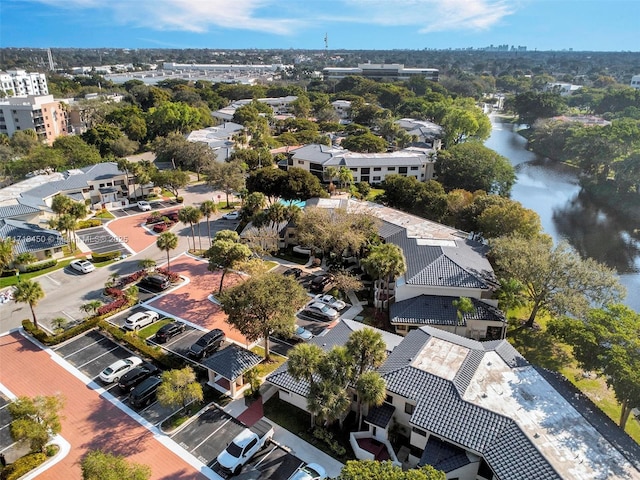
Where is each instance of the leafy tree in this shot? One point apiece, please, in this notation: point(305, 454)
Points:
point(463, 305)
point(366, 142)
point(191, 215)
point(176, 117)
point(264, 305)
point(99, 465)
point(555, 279)
point(166, 242)
point(172, 180)
point(208, 208)
point(36, 420)
point(226, 252)
point(102, 136)
point(531, 105)
point(372, 390)
point(228, 177)
point(29, 292)
point(472, 166)
point(147, 263)
point(179, 388)
point(606, 341)
point(299, 184)
point(7, 252)
point(23, 141)
point(385, 261)
point(267, 181)
point(345, 281)
point(373, 469)
point(301, 107)
point(508, 217)
point(76, 151)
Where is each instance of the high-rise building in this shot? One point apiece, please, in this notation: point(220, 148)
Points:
point(19, 83)
point(40, 113)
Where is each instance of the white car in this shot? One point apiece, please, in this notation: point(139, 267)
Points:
point(310, 471)
point(116, 370)
point(302, 334)
point(235, 215)
point(140, 319)
point(333, 302)
point(82, 266)
point(320, 310)
point(144, 206)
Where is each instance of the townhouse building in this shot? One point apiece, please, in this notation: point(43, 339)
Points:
point(41, 113)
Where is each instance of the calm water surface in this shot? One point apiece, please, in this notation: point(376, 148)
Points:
point(567, 213)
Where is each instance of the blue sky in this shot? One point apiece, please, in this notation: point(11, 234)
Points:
point(600, 25)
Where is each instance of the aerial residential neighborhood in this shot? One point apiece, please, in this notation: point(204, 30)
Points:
point(305, 241)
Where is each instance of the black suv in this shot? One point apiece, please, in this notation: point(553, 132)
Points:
point(207, 343)
point(145, 392)
point(318, 283)
point(136, 375)
point(155, 282)
point(169, 331)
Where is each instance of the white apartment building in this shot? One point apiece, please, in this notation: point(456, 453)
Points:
point(380, 71)
point(18, 83)
point(40, 113)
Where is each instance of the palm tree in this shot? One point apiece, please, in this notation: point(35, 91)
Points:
point(372, 390)
point(385, 261)
point(147, 263)
point(91, 307)
point(7, 251)
point(345, 176)
point(331, 172)
point(126, 166)
point(29, 292)
point(368, 350)
point(191, 215)
point(67, 224)
point(276, 213)
point(166, 242)
point(303, 363)
point(207, 208)
point(463, 305)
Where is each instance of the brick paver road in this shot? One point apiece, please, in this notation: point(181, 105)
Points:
point(89, 421)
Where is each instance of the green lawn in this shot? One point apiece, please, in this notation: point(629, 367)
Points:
point(541, 349)
point(105, 214)
point(265, 369)
point(150, 330)
point(13, 280)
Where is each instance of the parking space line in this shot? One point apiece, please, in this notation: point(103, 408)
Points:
point(148, 407)
point(211, 435)
point(264, 457)
point(5, 426)
point(90, 345)
point(102, 355)
point(4, 406)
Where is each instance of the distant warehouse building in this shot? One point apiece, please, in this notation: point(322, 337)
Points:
point(380, 71)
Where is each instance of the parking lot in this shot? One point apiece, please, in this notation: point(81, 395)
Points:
point(134, 210)
point(99, 240)
point(5, 424)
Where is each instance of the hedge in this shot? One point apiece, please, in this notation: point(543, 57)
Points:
point(34, 267)
point(91, 222)
point(106, 256)
point(49, 340)
point(22, 466)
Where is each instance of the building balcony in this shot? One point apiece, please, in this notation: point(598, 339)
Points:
point(366, 447)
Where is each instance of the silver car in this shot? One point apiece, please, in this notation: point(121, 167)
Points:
point(321, 311)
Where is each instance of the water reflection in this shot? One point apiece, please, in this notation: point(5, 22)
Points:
point(566, 212)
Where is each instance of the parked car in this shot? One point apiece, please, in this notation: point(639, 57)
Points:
point(244, 446)
point(145, 392)
point(136, 375)
point(207, 343)
point(140, 319)
point(117, 369)
point(82, 266)
point(319, 282)
point(293, 272)
point(321, 311)
point(155, 282)
point(144, 206)
point(302, 334)
point(169, 331)
point(333, 302)
point(235, 215)
point(310, 471)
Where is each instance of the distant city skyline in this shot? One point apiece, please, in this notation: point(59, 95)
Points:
point(580, 25)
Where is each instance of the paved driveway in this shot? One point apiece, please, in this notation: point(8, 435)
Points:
point(100, 240)
point(89, 422)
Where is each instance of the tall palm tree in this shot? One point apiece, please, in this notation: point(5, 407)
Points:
point(66, 223)
point(190, 215)
point(208, 208)
point(368, 350)
point(7, 252)
point(345, 176)
point(331, 172)
point(372, 390)
point(462, 305)
point(29, 292)
point(276, 213)
point(303, 363)
point(166, 242)
point(385, 261)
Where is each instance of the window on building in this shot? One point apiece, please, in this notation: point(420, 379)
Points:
point(409, 408)
point(417, 431)
point(365, 171)
point(402, 170)
point(377, 169)
point(389, 399)
point(414, 168)
point(376, 179)
point(391, 169)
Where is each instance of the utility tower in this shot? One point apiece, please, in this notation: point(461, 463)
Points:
point(326, 45)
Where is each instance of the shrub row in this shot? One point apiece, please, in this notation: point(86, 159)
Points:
point(22, 466)
point(110, 308)
point(34, 267)
point(172, 276)
point(113, 292)
point(327, 437)
point(138, 344)
point(91, 222)
point(160, 227)
point(47, 339)
point(104, 257)
point(134, 277)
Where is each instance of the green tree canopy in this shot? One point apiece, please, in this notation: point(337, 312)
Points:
point(179, 388)
point(226, 252)
point(29, 292)
point(172, 180)
point(226, 176)
point(99, 465)
point(375, 470)
point(36, 420)
point(472, 166)
point(366, 142)
point(607, 341)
